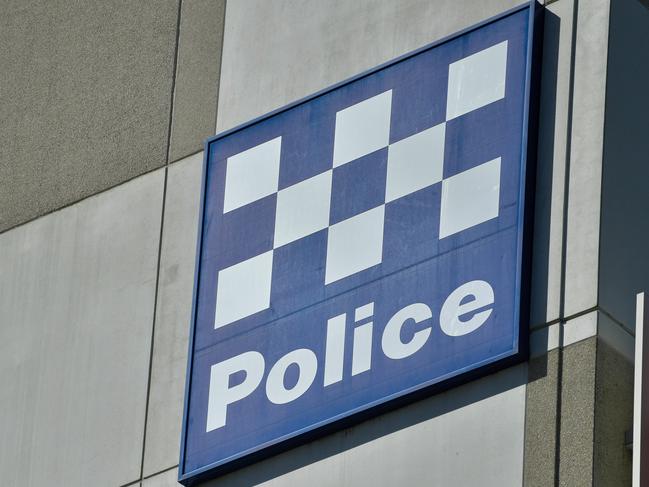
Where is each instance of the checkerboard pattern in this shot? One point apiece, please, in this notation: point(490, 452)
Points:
point(355, 237)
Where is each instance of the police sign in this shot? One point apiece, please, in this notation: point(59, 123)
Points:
point(361, 247)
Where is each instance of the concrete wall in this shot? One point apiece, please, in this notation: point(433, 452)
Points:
point(88, 90)
point(114, 100)
point(99, 99)
point(76, 305)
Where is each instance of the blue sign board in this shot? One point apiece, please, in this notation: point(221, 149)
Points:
point(361, 247)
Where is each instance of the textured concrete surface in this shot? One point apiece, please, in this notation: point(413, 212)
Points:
point(577, 414)
point(76, 309)
point(624, 267)
point(586, 154)
point(173, 313)
point(567, 373)
point(594, 384)
point(86, 93)
point(471, 436)
point(197, 75)
point(613, 417)
point(295, 48)
point(541, 421)
point(551, 164)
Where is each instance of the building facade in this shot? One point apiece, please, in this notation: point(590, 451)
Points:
point(104, 107)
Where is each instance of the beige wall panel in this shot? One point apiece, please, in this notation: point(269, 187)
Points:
point(77, 291)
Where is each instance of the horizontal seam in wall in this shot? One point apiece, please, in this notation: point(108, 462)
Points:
point(146, 477)
point(619, 323)
point(72, 203)
point(165, 470)
point(534, 328)
point(178, 159)
point(134, 482)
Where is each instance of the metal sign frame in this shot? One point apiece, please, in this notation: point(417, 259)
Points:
point(525, 215)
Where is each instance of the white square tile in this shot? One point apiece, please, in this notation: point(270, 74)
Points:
point(470, 198)
point(476, 80)
point(252, 174)
point(303, 209)
point(355, 244)
point(362, 128)
point(415, 162)
point(243, 289)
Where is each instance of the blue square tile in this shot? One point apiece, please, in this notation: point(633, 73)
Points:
point(245, 232)
point(358, 186)
point(411, 232)
point(298, 273)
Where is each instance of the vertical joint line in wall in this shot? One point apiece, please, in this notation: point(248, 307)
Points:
point(162, 219)
point(564, 244)
point(153, 324)
point(218, 87)
point(174, 70)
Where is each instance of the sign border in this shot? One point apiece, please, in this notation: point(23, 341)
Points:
point(461, 376)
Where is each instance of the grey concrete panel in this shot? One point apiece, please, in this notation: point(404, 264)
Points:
point(277, 52)
point(564, 373)
point(624, 267)
point(541, 420)
point(551, 163)
point(593, 382)
point(468, 436)
point(86, 93)
point(76, 308)
point(173, 314)
point(165, 479)
point(577, 411)
point(586, 153)
point(613, 417)
point(197, 75)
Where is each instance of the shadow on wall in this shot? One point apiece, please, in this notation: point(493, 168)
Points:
point(373, 429)
point(545, 173)
point(624, 261)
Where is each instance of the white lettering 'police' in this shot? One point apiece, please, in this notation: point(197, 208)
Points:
point(221, 394)
point(391, 343)
point(453, 308)
point(459, 316)
point(307, 362)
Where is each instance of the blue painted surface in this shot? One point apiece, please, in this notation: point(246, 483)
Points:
point(416, 266)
